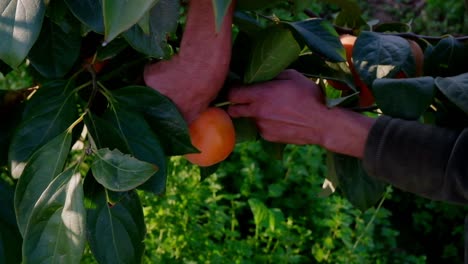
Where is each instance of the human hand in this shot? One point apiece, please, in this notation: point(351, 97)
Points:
point(291, 109)
point(193, 78)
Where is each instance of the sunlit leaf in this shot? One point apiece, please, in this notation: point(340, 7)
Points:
point(43, 166)
point(161, 114)
point(274, 50)
point(56, 230)
point(20, 24)
point(49, 112)
point(404, 98)
point(122, 226)
point(120, 15)
point(119, 172)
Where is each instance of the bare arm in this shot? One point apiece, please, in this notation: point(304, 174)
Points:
point(193, 78)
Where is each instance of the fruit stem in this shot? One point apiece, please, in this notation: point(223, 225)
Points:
point(223, 104)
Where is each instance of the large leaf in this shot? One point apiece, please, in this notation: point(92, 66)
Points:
point(104, 135)
point(220, 8)
point(404, 98)
point(20, 24)
point(455, 89)
point(274, 49)
point(55, 51)
point(163, 20)
point(321, 38)
point(49, 112)
point(120, 15)
point(89, 12)
point(162, 115)
point(43, 166)
point(447, 58)
point(116, 233)
point(358, 187)
point(143, 144)
point(56, 229)
point(378, 56)
point(119, 172)
point(10, 238)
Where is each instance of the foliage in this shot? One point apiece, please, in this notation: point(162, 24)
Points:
point(60, 201)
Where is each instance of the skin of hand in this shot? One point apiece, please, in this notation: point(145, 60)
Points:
point(193, 78)
point(291, 109)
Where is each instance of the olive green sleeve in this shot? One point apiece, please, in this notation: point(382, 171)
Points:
point(423, 159)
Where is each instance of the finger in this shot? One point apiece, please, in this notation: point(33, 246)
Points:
point(240, 111)
point(287, 74)
point(244, 94)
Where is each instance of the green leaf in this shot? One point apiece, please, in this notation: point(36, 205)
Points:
point(274, 49)
point(378, 56)
point(10, 238)
point(162, 115)
point(143, 144)
point(56, 229)
point(163, 20)
point(321, 38)
point(43, 166)
point(447, 58)
point(116, 233)
point(49, 112)
point(104, 135)
point(358, 187)
point(455, 89)
point(260, 212)
point(56, 51)
point(404, 98)
point(220, 8)
point(119, 172)
point(246, 129)
point(350, 15)
point(21, 22)
point(89, 12)
point(120, 15)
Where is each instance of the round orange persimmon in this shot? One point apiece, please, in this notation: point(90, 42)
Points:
point(213, 134)
point(97, 65)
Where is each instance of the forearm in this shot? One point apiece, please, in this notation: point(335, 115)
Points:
point(418, 158)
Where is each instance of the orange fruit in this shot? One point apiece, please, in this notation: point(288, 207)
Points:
point(97, 65)
point(418, 56)
point(213, 134)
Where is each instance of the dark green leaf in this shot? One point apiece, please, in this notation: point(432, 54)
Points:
point(143, 144)
point(455, 89)
point(8, 127)
point(43, 166)
point(58, 12)
point(247, 23)
point(55, 51)
point(116, 233)
point(350, 15)
point(10, 238)
point(404, 98)
point(111, 50)
point(163, 20)
point(378, 56)
point(347, 100)
point(275, 150)
point(246, 129)
point(161, 114)
point(120, 15)
point(119, 172)
point(49, 113)
point(220, 7)
point(21, 22)
point(447, 58)
point(56, 229)
point(257, 4)
point(104, 135)
point(274, 49)
point(89, 12)
point(358, 187)
point(321, 38)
